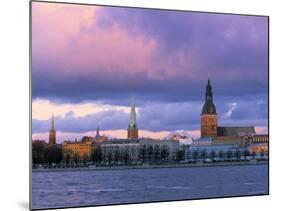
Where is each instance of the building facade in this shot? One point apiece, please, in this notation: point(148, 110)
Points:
point(261, 138)
point(140, 150)
point(77, 150)
point(120, 151)
point(155, 150)
point(259, 144)
point(240, 141)
point(212, 151)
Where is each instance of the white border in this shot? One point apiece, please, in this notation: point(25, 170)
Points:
point(14, 61)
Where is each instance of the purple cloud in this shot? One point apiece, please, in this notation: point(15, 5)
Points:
point(106, 54)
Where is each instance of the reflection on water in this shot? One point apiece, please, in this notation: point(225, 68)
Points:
point(83, 188)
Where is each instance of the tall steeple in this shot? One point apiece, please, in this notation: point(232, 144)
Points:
point(209, 107)
point(208, 115)
point(133, 118)
point(52, 132)
point(53, 122)
point(98, 132)
point(133, 129)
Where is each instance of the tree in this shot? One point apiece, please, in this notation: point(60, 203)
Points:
point(143, 153)
point(188, 155)
point(237, 154)
point(246, 153)
point(76, 158)
point(164, 154)
point(262, 154)
point(96, 155)
point(168, 154)
point(52, 154)
point(195, 155)
point(180, 155)
point(213, 155)
point(38, 151)
point(150, 152)
point(67, 159)
point(203, 154)
point(254, 155)
point(117, 156)
point(156, 154)
point(126, 156)
point(221, 155)
point(85, 159)
point(229, 154)
point(109, 157)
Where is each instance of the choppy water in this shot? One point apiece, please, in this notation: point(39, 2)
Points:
point(83, 188)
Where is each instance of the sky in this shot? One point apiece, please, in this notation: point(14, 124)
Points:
point(88, 61)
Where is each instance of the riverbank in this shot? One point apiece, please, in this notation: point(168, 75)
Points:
point(147, 166)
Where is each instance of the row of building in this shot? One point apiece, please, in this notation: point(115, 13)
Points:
point(214, 139)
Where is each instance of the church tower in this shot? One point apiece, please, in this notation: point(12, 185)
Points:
point(52, 132)
point(133, 129)
point(98, 132)
point(208, 115)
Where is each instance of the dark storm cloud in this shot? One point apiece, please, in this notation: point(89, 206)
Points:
point(161, 116)
point(116, 92)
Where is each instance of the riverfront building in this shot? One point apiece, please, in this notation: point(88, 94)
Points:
point(259, 143)
point(120, 150)
point(79, 150)
point(211, 151)
point(139, 150)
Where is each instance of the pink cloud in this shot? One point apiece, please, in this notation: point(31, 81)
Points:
point(261, 130)
point(69, 37)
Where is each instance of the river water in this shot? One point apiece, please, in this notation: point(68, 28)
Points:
point(84, 188)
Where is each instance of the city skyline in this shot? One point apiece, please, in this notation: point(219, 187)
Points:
point(165, 66)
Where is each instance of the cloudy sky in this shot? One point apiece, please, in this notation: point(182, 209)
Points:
point(87, 62)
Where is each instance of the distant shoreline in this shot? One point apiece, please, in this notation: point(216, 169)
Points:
point(185, 165)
